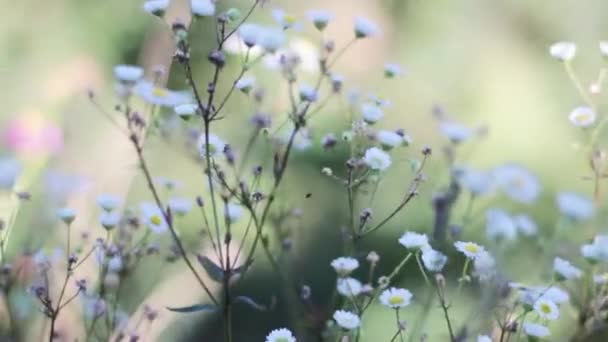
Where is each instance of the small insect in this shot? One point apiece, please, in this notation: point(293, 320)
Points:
point(308, 195)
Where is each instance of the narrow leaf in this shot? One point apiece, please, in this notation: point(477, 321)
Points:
point(252, 303)
point(213, 270)
point(194, 308)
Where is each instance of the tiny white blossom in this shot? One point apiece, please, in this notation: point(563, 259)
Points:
point(575, 206)
point(389, 139)
point(186, 110)
point(455, 131)
point(128, 73)
point(433, 260)
point(345, 265)
point(484, 266)
point(153, 217)
point(392, 70)
point(10, 169)
point(475, 181)
point(376, 159)
point(365, 27)
point(470, 249)
point(156, 7)
point(271, 39)
point(280, 335)
point(517, 182)
point(563, 51)
point(484, 338)
point(66, 214)
point(535, 330)
point(500, 225)
point(525, 225)
point(115, 264)
point(546, 309)
point(563, 269)
point(109, 220)
point(245, 84)
point(347, 320)
point(160, 96)
point(180, 205)
point(216, 145)
point(307, 93)
point(597, 250)
point(396, 298)
point(414, 241)
point(582, 116)
point(234, 212)
point(349, 287)
point(319, 18)
point(286, 20)
point(250, 34)
point(108, 202)
point(371, 113)
point(202, 8)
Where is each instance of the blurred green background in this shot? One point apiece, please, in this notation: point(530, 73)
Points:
point(485, 62)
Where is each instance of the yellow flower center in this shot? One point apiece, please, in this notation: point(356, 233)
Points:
point(289, 19)
point(471, 248)
point(581, 117)
point(156, 220)
point(545, 308)
point(159, 92)
point(395, 300)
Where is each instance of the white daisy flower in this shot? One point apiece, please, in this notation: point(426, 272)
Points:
point(500, 225)
point(396, 298)
point(455, 131)
point(484, 338)
point(349, 287)
point(180, 205)
point(365, 27)
point(109, 219)
point(307, 93)
point(525, 225)
point(284, 19)
point(186, 110)
point(156, 7)
point(345, 265)
point(376, 159)
point(470, 249)
point(347, 320)
point(582, 116)
point(433, 260)
point(371, 113)
point(389, 139)
point(319, 18)
point(270, 39)
point(546, 309)
point(153, 217)
point(280, 335)
point(604, 48)
point(563, 51)
point(517, 182)
point(475, 181)
point(160, 96)
point(552, 293)
point(128, 74)
point(108, 202)
point(564, 270)
point(216, 146)
point(250, 34)
point(10, 169)
point(392, 70)
point(202, 8)
point(245, 84)
point(414, 241)
point(575, 206)
point(484, 266)
point(233, 212)
point(66, 215)
point(535, 330)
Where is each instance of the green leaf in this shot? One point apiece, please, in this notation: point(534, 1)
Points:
point(214, 271)
point(250, 302)
point(194, 308)
point(243, 268)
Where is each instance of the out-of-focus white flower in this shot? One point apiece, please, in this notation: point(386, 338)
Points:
point(42, 261)
point(433, 260)
point(10, 169)
point(347, 320)
point(535, 330)
point(349, 287)
point(109, 219)
point(250, 34)
point(280, 335)
point(156, 7)
point(597, 250)
point(371, 113)
point(392, 70)
point(563, 51)
point(563, 270)
point(245, 84)
point(319, 18)
point(115, 264)
point(575, 206)
point(235, 45)
point(525, 225)
point(484, 266)
point(389, 139)
point(455, 131)
point(582, 116)
point(66, 215)
point(517, 182)
point(307, 53)
point(376, 159)
point(153, 217)
point(484, 338)
point(308, 93)
point(344, 265)
point(475, 181)
point(180, 205)
point(414, 241)
point(500, 225)
point(202, 8)
point(546, 309)
point(216, 145)
point(286, 20)
point(396, 298)
point(233, 212)
point(600, 279)
point(470, 249)
point(604, 48)
point(160, 96)
point(530, 294)
point(108, 202)
point(365, 27)
point(270, 38)
point(128, 73)
point(186, 110)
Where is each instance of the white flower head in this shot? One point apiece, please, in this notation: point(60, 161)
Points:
point(376, 159)
point(186, 110)
point(233, 212)
point(600, 279)
point(319, 18)
point(349, 287)
point(604, 48)
point(66, 214)
point(470, 249)
point(535, 330)
point(365, 27)
point(345, 265)
point(347, 320)
point(280, 335)
point(115, 263)
point(455, 131)
point(563, 51)
point(245, 84)
point(180, 205)
point(308, 93)
point(433, 260)
point(250, 34)
point(500, 225)
point(546, 309)
point(575, 206)
point(160, 96)
point(392, 70)
point(156, 7)
point(475, 181)
point(10, 169)
point(128, 74)
point(396, 298)
point(389, 139)
point(525, 225)
point(564, 270)
point(108, 202)
point(597, 250)
point(202, 8)
point(484, 266)
point(582, 116)
point(270, 38)
point(109, 219)
point(414, 241)
point(484, 338)
point(371, 113)
point(153, 217)
point(518, 183)
point(216, 145)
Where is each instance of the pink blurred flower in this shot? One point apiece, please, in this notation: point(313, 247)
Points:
point(31, 135)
